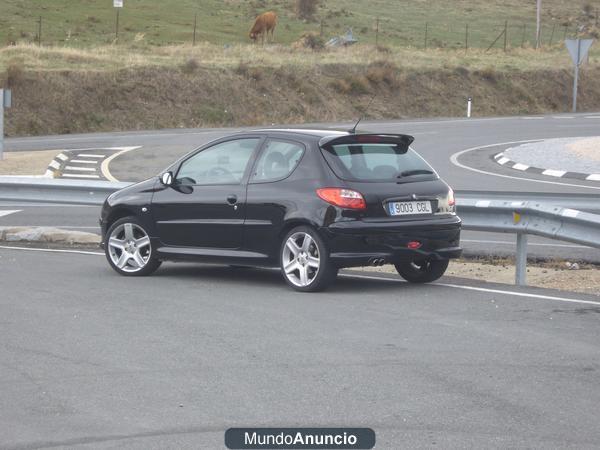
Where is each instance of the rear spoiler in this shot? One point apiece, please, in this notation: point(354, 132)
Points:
point(401, 141)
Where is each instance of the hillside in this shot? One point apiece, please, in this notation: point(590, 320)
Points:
point(81, 80)
point(401, 22)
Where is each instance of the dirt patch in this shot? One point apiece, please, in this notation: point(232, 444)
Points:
point(554, 275)
point(586, 148)
point(195, 95)
point(26, 163)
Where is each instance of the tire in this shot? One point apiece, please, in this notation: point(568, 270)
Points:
point(306, 267)
point(128, 248)
point(424, 271)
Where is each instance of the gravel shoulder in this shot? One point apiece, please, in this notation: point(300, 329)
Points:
point(551, 275)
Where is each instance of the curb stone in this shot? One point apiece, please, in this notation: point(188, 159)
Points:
point(47, 235)
point(506, 162)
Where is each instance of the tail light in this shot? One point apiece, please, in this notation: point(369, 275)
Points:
point(344, 198)
point(451, 200)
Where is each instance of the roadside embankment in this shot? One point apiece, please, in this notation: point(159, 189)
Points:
point(264, 87)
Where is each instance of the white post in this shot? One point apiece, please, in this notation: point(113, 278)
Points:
point(2, 124)
point(469, 101)
point(521, 260)
point(576, 76)
point(538, 24)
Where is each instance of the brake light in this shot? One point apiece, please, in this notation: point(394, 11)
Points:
point(344, 198)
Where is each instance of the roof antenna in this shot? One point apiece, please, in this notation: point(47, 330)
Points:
point(353, 130)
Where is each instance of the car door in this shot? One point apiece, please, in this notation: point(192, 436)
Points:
point(206, 204)
point(272, 193)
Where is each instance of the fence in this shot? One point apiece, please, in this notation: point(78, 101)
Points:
point(129, 25)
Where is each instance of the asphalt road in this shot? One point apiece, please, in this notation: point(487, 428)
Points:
point(436, 140)
point(459, 149)
point(90, 359)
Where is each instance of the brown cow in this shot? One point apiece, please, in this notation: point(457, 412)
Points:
point(264, 24)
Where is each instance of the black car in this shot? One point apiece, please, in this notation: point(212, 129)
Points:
point(307, 201)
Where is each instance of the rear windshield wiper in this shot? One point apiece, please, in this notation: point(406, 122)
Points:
point(408, 173)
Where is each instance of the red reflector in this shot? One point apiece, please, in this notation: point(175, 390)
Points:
point(344, 198)
point(413, 245)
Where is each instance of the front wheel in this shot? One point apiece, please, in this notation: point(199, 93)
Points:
point(304, 261)
point(424, 271)
point(128, 248)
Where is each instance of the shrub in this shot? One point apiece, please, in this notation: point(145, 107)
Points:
point(306, 9)
point(14, 74)
point(190, 66)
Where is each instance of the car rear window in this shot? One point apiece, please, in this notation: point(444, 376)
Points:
point(376, 162)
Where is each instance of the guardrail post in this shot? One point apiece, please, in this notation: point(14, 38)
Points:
point(521, 260)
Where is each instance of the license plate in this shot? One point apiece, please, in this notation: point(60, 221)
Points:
point(409, 208)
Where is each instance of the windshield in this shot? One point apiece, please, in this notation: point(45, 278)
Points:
point(377, 162)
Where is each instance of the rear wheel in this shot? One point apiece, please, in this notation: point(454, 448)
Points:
point(304, 260)
point(424, 271)
point(128, 248)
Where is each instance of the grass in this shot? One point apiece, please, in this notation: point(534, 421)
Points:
point(401, 22)
point(110, 57)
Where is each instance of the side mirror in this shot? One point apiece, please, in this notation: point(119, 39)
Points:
point(167, 178)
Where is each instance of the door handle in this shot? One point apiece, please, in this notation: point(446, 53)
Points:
point(232, 199)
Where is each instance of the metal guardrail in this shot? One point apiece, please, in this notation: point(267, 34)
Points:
point(565, 217)
point(582, 202)
point(83, 192)
point(530, 217)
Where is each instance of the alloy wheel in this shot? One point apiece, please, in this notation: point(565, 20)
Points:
point(301, 259)
point(129, 247)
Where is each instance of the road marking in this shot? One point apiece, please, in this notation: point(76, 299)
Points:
point(455, 156)
point(593, 177)
point(51, 250)
point(480, 289)
point(592, 117)
point(519, 166)
point(54, 164)
point(539, 244)
point(518, 294)
point(533, 118)
point(62, 157)
point(554, 173)
point(563, 117)
point(503, 160)
point(80, 169)
point(105, 169)
point(82, 161)
point(76, 175)
point(90, 155)
point(6, 213)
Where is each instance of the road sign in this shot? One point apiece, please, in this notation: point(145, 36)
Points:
point(118, 3)
point(578, 49)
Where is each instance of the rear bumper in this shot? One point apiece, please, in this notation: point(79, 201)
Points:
point(360, 243)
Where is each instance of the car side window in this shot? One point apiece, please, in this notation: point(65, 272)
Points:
point(277, 161)
point(223, 163)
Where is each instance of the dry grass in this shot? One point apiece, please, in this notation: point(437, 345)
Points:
point(110, 57)
point(26, 163)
